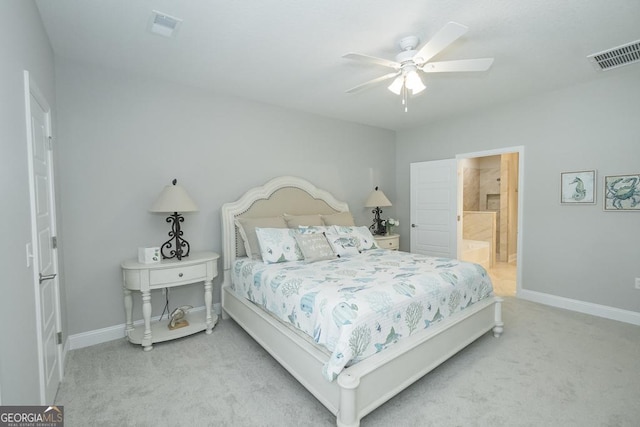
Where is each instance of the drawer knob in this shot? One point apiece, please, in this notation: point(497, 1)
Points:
point(179, 274)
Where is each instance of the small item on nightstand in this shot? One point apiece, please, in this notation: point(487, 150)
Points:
point(148, 255)
point(177, 317)
point(389, 224)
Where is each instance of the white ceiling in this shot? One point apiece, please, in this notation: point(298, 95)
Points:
point(289, 52)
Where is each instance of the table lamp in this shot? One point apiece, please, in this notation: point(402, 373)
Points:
point(174, 198)
point(375, 200)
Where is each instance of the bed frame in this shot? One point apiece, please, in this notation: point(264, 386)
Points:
point(361, 388)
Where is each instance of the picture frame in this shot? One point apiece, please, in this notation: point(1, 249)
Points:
point(578, 187)
point(621, 193)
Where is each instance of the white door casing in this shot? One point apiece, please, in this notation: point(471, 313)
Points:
point(43, 223)
point(433, 208)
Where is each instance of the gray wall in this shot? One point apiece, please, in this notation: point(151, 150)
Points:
point(23, 45)
point(123, 138)
point(577, 252)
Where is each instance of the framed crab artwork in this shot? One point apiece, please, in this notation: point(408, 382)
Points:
point(578, 188)
point(622, 193)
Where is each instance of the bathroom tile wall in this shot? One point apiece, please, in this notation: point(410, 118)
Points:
point(471, 189)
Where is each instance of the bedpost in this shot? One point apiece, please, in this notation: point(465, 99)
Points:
point(348, 412)
point(499, 327)
point(228, 249)
point(225, 283)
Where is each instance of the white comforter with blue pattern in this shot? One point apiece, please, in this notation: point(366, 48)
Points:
point(357, 306)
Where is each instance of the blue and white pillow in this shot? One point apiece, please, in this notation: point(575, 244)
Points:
point(278, 245)
point(343, 244)
point(313, 229)
point(362, 234)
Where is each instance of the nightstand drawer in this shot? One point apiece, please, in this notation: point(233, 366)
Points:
point(178, 274)
point(388, 242)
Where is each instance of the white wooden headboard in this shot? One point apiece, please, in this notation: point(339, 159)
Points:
point(284, 194)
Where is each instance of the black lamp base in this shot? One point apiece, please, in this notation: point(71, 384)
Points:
point(377, 229)
point(175, 239)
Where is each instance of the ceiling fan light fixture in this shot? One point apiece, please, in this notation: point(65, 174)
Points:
point(396, 86)
point(418, 90)
point(407, 82)
point(414, 83)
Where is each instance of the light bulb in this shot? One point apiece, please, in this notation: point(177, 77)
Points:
point(414, 83)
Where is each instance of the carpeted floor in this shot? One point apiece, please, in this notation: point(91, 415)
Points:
point(551, 367)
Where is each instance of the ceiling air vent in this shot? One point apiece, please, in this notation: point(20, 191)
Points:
point(616, 57)
point(163, 24)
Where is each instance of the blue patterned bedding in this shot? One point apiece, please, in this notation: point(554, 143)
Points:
point(357, 306)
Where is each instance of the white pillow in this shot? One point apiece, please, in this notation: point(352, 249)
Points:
point(278, 245)
point(343, 244)
point(362, 233)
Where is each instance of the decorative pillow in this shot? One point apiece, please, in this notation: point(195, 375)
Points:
point(278, 245)
point(247, 228)
point(314, 247)
point(340, 218)
point(343, 244)
point(294, 221)
point(365, 239)
point(316, 229)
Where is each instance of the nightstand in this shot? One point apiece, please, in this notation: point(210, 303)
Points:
point(388, 241)
point(143, 278)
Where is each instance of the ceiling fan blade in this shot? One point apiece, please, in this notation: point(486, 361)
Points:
point(372, 59)
point(443, 38)
point(373, 82)
point(461, 65)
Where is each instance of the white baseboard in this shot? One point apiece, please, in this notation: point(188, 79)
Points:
point(65, 351)
point(607, 312)
point(99, 336)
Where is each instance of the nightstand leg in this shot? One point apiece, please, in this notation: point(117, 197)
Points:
point(146, 314)
point(208, 286)
point(128, 311)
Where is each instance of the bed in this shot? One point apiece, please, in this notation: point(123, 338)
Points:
point(352, 389)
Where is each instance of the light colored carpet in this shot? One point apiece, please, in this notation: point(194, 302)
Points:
point(551, 367)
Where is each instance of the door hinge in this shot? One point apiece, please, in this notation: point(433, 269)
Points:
point(50, 143)
point(54, 242)
point(59, 337)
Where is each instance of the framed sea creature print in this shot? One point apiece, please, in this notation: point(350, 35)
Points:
point(622, 193)
point(578, 188)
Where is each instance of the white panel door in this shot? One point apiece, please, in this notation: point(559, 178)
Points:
point(433, 208)
point(45, 259)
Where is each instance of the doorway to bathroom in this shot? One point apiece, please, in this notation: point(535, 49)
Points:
point(489, 203)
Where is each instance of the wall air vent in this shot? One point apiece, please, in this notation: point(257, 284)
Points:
point(616, 57)
point(163, 24)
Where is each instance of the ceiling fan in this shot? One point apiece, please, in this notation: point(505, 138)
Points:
point(410, 61)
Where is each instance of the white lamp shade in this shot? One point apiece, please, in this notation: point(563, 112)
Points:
point(174, 198)
point(396, 86)
point(376, 199)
